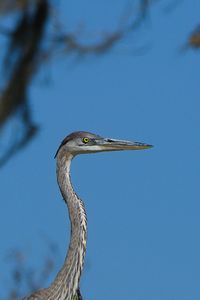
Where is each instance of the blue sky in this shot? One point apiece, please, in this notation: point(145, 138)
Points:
point(143, 207)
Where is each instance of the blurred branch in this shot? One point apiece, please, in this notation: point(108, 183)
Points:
point(172, 5)
point(23, 277)
point(25, 41)
point(9, 6)
point(71, 44)
point(194, 38)
point(28, 39)
point(193, 41)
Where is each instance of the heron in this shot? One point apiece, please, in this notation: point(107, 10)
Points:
point(66, 283)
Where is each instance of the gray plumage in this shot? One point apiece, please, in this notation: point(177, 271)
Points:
point(66, 284)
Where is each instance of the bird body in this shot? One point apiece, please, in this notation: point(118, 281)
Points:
point(66, 284)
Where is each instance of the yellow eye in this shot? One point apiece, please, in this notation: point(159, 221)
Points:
point(86, 140)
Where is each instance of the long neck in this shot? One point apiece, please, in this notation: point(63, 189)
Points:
point(66, 282)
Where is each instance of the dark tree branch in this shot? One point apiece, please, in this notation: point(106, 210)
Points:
point(28, 39)
point(25, 41)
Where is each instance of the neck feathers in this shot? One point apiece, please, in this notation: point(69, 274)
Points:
point(67, 280)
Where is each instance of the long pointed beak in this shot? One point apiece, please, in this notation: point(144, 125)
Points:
point(113, 144)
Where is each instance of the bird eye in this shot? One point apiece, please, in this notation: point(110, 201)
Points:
point(86, 140)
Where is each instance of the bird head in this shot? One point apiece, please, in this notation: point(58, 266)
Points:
point(81, 142)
